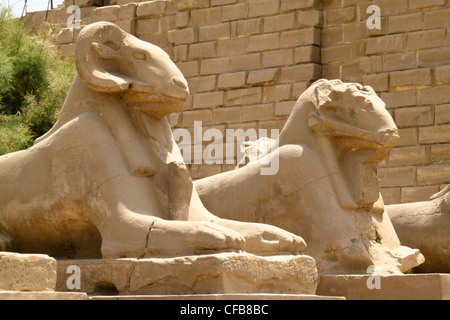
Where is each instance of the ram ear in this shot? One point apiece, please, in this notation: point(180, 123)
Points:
point(94, 57)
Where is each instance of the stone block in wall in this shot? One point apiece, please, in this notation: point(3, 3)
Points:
point(302, 72)
point(257, 112)
point(397, 177)
point(127, 25)
point(202, 84)
point(434, 174)
point(147, 26)
point(307, 54)
point(442, 74)
point(423, 4)
point(151, 9)
point(399, 61)
point(189, 68)
point(236, 11)
point(245, 62)
point(310, 18)
point(301, 37)
point(109, 13)
point(206, 16)
point(414, 116)
point(214, 66)
point(397, 99)
point(332, 36)
point(371, 64)
point(442, 114)
point(278, 58)
point(435, 95)
point(339, 53)
point(437, 18)
point(258, 8)
point(222, 2)
point(202, 50)
point(243, 96)
point(331, 71)
point(408, 137)
point(280, 22)
point(232, 47)
point(277, 93)
point(159, 39)
point(289, 5)
point(433, 57)
point(434, 38)
point(263, 42)
point(192, 4)
point(231, 80)
point(415, 194)
point(387, 6)
point(354, 31)
point(263, 76)
point(384, 44)
point(127, 12)
point(390, 195)
point(208, 100)
point(435, 134)
point(188, 117)
point(405, 23)
point(226, 115)
point(284, 108)
point(214, 32)
point(408, 156)
point(440, 153)
point(249, 26)
point(340, 15)
point(183, 36)
point(298, 89)
point(415, 77)
point(379, 82)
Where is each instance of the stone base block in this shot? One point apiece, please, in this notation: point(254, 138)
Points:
point(217, 297)
point(206, 274)
point(392, 287)
point(27, 272)
point(42, 295)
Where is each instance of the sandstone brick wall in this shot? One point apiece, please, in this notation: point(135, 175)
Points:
point(247, 61)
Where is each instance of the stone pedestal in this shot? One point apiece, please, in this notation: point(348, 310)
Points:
point(30, 277)
point(27, 272)
point(392, 287)
point(223, 273)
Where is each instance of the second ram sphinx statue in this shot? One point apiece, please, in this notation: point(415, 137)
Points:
point(109, 181)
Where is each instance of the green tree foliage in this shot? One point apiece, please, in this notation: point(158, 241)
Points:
point(34, 81)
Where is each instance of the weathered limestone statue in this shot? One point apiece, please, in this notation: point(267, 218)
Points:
point(108, 179)
point(326, 189)
point(426, 225)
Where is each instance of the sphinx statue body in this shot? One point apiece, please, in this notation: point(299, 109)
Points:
point(108, 180)
point(326, 187)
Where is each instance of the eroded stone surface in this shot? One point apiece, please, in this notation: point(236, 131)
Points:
point(206, 274)
point(27, 272)
point(426, 225)
point(391, 287)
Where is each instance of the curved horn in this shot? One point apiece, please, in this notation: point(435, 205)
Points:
point(90, 50)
